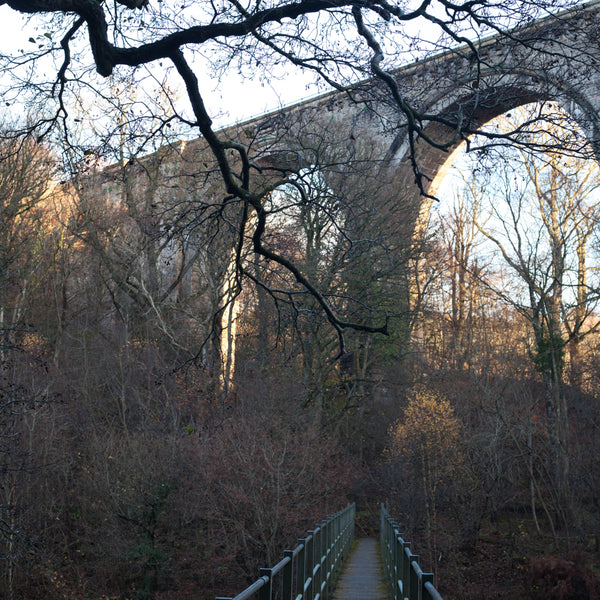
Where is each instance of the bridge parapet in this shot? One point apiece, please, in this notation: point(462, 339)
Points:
point(404, 577)
point(310, 570)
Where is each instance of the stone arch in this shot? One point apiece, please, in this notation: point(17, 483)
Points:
point(519, 70)
point(433, 162)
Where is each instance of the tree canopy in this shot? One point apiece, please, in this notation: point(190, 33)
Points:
point(192, 46)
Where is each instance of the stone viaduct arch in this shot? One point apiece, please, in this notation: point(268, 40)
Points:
point(556, 58)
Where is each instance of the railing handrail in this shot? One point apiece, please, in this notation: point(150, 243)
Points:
point(404, 577)
point(311, 569)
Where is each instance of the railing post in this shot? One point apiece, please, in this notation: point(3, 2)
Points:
point(266, 592)
point(399, 545)
point(337, 544)
point(405, 565)
point(318, 549)
point(301, 568)
point(413, 584)
point(288, 576)
point(396, 565)
point(328, 541)
point(310, 566)
point(425, 578)
point(390, 561)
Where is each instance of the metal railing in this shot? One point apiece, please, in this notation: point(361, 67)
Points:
point(308, 572)
point(404, 577)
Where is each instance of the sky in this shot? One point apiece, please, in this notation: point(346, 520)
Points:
point(233, 98)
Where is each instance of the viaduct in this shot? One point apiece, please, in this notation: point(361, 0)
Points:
point(555, 59)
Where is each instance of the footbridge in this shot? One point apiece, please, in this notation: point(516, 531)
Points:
point(330, 564)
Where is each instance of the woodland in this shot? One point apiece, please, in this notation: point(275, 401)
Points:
point(204, 353)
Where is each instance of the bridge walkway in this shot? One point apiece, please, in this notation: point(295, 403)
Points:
point(362, 575)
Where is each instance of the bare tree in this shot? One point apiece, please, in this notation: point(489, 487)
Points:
point(25, 182)
point(178, 45)
point(536, 215)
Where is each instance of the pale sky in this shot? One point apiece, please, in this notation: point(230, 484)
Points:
point(230, 99)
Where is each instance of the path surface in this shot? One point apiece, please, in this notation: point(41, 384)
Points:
point(362, 575)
